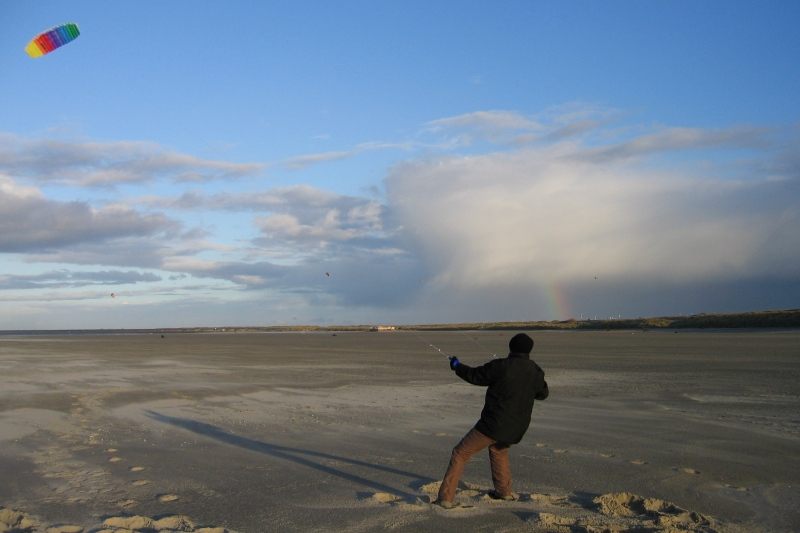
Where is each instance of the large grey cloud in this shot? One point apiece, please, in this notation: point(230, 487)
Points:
point(542, 214)
point(564, 213)
point(108, 163)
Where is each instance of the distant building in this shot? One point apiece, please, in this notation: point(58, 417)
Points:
point(383, 328)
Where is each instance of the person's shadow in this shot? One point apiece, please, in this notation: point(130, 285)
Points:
point(309, 458)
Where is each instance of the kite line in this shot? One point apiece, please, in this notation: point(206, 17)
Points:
point(483, 348)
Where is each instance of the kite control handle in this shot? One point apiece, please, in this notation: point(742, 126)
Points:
point(454, 362)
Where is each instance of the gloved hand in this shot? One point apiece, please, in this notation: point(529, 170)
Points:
point(454, 362)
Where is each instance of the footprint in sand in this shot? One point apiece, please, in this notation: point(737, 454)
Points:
point(559, 500)
point(112, 450)
point(136, 468)
point(65, 529)
point(540, 444)
point(736, 487)
point(115, 459)
point(554, 522)
point(13, 520)
point(384, 497)
point(140, 482)
point(431, 488)
point(167, 523)
point(560, 450)
point(607, 455)
point(638, 462)
point(125, 504)
point(665, 515)
point(690, 471)
point(165, 498)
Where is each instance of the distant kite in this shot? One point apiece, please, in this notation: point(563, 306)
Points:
point(56, 37)
point(113, 295)
point(328, 274)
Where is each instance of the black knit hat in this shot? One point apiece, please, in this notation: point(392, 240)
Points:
point(520, 343)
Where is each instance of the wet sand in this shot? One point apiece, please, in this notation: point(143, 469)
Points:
point(693, 431)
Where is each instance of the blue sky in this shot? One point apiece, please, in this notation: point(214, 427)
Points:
point(210, 162)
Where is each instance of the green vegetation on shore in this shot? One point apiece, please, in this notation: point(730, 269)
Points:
point(759, 319)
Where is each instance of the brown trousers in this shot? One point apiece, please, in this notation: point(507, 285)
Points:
point(473, 442)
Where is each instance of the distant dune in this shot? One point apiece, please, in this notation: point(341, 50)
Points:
point(789, 318)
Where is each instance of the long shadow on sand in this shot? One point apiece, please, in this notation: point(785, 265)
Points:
point(294, 455)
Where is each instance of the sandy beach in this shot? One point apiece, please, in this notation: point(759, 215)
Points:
point(655, 431)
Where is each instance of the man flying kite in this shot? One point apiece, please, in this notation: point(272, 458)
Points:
point(513, 384)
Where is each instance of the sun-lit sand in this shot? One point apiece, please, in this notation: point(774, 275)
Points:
point(661, 431)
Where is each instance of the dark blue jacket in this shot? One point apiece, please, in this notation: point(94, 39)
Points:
point(514, 383)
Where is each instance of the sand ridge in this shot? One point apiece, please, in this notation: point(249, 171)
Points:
point(555, 513)
point(16, 521)
point(564, 513)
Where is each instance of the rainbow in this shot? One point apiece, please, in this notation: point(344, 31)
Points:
point(559, 304)
point(47, 41)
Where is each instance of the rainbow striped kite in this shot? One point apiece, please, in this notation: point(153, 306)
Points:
point(46, 42)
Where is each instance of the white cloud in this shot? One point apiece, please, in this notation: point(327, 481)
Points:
point(108, 163)
point(495, 126)
point(330, 227)
point(296, 213)
point(178, 263)
point(277, 198)
point(306, 160)
point(510, 128)
point(250, 280)
point(68, 279)
point(30, 222)
point(487, 121)
point(341, 219)
point(672, 139)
